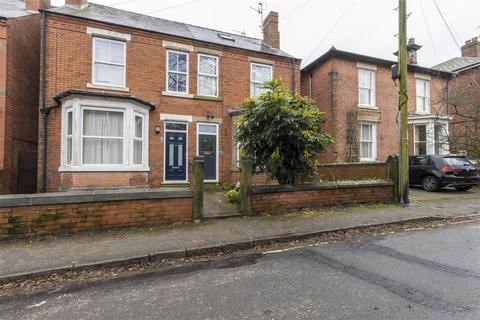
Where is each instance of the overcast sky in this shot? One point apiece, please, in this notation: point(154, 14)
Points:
point(362, 26)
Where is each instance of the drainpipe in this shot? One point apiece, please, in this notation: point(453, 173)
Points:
point(333, 74)
point(294, 82)
point(43, 109)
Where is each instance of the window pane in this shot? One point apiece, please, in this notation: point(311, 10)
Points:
point(421, 148)
point(365, 79)
point(366, 132)
point(172, 61)
point(182, 62)
point(182, 83)
point(138, 127)
point(364, 96)
point(172, 81)
point(208, 65)
point(102, 50)
point(366, 150)
point(102, 123)
point(109, 74)
point(108, 51)
point(257, 89)
point(69, 123)
point(261, 73)
point(205, 128)
point(207, 85)
point(69, 150)
point(176, 126)
point(102, 151)
point(137, 152)
point(117, 52)
point(420, 133)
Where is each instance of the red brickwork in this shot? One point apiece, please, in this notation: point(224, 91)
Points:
point(73, 218)
point(19, 50)
point(292, 200)
point(69, 66)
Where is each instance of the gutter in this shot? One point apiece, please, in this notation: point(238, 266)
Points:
point(43, 108)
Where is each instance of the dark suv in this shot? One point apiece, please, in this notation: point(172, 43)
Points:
point(436, 172)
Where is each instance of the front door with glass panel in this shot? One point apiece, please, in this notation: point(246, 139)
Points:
point(175, 152)
point(207, 147)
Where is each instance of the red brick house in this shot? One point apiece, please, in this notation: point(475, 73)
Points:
point(19, 85)
point(361, 101)
point(464, 99)
point(129, 99)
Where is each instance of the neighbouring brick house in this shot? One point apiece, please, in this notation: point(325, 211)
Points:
point(361, 102)
point(464, 99)
point(19, 85)
point(132, 98)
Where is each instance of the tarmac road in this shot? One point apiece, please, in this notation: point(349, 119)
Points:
point(424, 274)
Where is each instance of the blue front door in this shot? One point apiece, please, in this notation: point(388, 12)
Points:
point(175, 156)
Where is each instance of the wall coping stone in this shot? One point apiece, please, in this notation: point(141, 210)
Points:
point(372, 163)
point(70, 197)
point(320, 186)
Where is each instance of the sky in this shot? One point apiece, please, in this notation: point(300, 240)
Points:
point(308, 28)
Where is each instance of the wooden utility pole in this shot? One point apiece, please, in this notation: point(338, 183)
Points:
point(403, 102)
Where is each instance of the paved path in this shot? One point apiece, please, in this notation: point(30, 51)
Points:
point(24, 257)
point(430, 274)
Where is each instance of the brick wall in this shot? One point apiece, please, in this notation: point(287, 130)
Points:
point(19, 122)
point(334, 86)
point(3, 91)
point(68, 66)
point(64, 213)
point(281, 199)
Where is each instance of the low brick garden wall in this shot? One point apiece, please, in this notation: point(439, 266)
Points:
point(276, 199)
point(352, 171)
point(72, 212)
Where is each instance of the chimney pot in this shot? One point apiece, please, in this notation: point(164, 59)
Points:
point(76, 3)
point(271, 34)
point(471, 48)
point(35, 5)
point(412, 49)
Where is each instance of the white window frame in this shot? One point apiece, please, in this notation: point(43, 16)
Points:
point(77, 106)
point(425, 107)
point(372, 90)
point(444, 145)
point(216, 76)
point(187, 73)
point(415, 138)
point(217, 165)
point(373, 141)
point(68, 136)
point(124, 65)
point(135, 138)
point(165, 130)
point(252, 82)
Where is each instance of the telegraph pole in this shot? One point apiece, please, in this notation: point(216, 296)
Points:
point(403, 102)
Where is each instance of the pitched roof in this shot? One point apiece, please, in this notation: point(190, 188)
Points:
point(129, 19)
point(333, 52)
point(13, 9)
point(458, 64)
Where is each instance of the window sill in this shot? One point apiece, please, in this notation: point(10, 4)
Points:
point(368, 160)
point(422, 112)
point(96, 86)
point(103, 169)
point(363, 106)
point(211, 98)
point(178, 95)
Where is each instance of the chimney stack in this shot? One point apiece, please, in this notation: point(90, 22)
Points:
point(471, 48)
point(271, 35)
point(35, 5)
point(76, 3)
point(412, 49)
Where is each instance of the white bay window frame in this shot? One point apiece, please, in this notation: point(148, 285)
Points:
point(129, 109)
point(96, 62)
point(200, 75)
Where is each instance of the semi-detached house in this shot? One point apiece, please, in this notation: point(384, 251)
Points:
point(129, 99)
point(361, 101)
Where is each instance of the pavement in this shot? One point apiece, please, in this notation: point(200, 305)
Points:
point(422, 274)
point(24, 258)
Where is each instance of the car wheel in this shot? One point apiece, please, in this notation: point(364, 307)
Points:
point(463, 188)
point(430, 183)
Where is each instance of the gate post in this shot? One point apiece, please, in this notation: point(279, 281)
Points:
point(392, 175)
point(246, 172)
point(197, 187)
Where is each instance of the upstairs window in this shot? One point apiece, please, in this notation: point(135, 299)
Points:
point(177, 71)
point(109, 60)
point(423, 96)
point(207, 75)
point(260, 73)
point(366, 87)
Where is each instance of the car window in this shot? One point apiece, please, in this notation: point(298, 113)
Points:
point(420, 161)
point(456, 162)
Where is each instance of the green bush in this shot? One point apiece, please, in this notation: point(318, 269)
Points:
point(233, 196)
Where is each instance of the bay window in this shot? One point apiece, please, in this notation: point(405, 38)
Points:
point(260, 73)
point(366, 87)
point(177, 71)
point(109, 60)
point(420, 139)
point(368, 142)
point(207, 75)
point(104, 135)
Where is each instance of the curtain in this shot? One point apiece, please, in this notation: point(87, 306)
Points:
point(102, 137)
